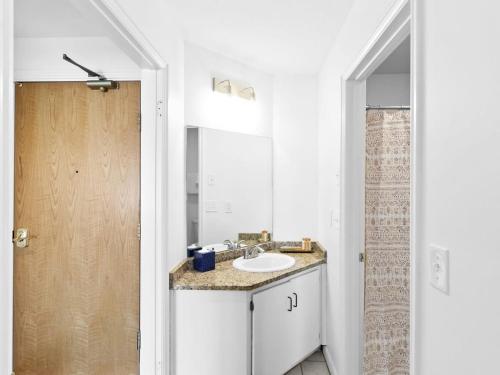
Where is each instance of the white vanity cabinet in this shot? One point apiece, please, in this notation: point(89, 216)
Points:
point(285, 324)
point(264, 331)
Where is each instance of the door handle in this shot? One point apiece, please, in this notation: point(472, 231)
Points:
point(21, 237)
point(296, 300)
point(291, 305)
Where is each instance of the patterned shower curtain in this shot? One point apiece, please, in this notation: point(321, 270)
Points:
point(387, 243)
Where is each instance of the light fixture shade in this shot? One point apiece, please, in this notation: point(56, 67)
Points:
point(221, 85)
point(247, 93)
point(230, 87)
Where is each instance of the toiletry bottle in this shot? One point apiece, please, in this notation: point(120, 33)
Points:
point(306, 244)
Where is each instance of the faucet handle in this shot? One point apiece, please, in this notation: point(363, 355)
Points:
point(241, 244)
point(260, 249)
point(230, 244)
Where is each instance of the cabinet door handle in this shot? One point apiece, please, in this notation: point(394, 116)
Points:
point(290, 299)
point(296, 300)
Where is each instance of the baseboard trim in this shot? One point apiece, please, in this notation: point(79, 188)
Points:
point(329, 361)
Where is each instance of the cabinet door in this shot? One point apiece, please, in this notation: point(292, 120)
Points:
point(306, 315)
point(272, 323)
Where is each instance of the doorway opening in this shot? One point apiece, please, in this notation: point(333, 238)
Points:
point(372, 81)
point(99, 35)
point(385, 292)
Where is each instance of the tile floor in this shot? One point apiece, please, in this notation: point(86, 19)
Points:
point(313, 365)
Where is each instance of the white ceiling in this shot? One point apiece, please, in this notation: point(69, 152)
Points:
point(278, 36)
point(55, 18)
point(399, 62)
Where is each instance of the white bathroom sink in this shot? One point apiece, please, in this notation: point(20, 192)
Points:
point(267, 262)
point(217, 247)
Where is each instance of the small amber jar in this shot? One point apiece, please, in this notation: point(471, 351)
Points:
point(306, 244)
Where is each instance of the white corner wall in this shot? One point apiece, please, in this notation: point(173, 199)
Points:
point(209, 109)
point(458, 90)
point(295, 157)
point(6, 198)
point(155, 20)
point(388, 89)
point(458, 178)
point(362, 21)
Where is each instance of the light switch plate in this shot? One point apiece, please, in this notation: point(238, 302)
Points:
point(228, 207)
point(211, 206)
point(440, 268)
point(211, 180)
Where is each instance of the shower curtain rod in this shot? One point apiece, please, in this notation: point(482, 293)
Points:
point(388, 107)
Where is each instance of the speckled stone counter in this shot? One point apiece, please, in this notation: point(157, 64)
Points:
point(226, 277)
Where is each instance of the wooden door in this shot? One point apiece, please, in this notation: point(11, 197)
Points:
point(77, 180)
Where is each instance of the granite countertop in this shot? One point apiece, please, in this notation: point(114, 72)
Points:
point(226, 277)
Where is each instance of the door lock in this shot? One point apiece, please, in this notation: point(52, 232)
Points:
point(21, 238)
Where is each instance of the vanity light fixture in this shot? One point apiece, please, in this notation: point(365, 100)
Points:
point(247, 93)
point(222, 85)
point(237, 88)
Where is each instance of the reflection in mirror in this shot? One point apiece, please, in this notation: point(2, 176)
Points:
point(228, 186)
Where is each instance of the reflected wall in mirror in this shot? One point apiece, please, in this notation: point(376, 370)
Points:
point(228, 185)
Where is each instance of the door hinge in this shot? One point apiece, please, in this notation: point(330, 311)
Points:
point(139, 121)
point(139, 231)
point(252, 306)
point(361, 257)
point(138, 340)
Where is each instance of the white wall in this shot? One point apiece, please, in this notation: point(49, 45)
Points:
point(206, 108)
point(459, 183)
point(33, 56)
point(235, 169)
point(388, 89)
point(155, 20)
point(6, 198)
point(285, 109)
point(458, 177)
point(363, 19)
point(295, 157)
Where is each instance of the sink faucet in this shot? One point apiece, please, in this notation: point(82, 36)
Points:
point(231, 245)
point(253, 251)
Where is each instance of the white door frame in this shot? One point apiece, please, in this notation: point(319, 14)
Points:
point(153, 76)
point(392, 31)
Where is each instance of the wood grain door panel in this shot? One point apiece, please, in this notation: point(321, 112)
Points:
point(77, 180)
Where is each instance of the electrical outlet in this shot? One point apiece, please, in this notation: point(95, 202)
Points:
point(439, 263)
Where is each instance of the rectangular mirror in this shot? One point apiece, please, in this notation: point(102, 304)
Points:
point(228, 185)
